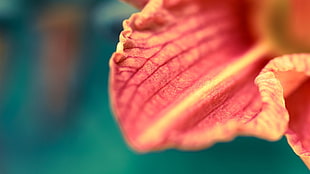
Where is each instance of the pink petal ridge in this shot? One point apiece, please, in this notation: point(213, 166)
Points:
point(292, 72)
point(175, 81)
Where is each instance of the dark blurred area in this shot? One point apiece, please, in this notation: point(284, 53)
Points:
point(55, 116)
point(54, 58)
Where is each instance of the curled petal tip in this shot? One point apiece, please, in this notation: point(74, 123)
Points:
point(178, 82)
point(169, 84)
point(293, 75)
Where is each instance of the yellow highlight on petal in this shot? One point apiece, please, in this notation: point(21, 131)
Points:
point(171, 115)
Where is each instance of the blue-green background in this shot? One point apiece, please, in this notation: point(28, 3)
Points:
point(86, 139)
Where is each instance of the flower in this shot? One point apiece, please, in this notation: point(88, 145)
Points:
point(190, 73)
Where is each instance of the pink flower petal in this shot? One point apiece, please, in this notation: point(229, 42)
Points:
point(183, 76)
point(293, 73)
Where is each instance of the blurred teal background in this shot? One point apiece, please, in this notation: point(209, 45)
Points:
point(54, 107)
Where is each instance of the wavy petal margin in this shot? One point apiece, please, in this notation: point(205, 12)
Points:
point(179, 82)
point(293, 73)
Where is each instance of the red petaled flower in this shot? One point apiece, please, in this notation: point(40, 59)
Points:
point(190, 73)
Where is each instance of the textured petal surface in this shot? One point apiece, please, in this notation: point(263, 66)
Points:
point(183, 76)
point(293, 73)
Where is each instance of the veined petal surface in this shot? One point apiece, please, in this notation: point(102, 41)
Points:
point(183, 76)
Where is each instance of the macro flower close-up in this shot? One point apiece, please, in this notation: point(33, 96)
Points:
point(187, 74)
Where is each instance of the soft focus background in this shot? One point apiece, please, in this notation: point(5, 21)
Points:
point(54, 103)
